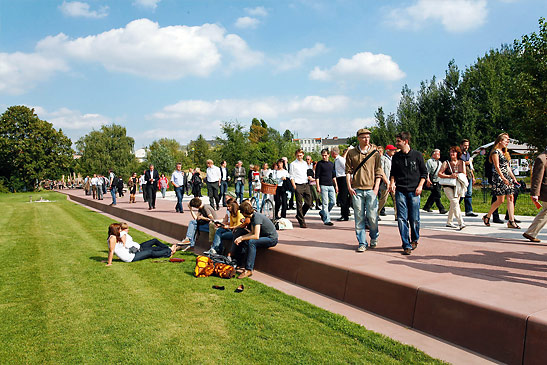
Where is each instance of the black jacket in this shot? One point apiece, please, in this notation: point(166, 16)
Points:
point(408, 169)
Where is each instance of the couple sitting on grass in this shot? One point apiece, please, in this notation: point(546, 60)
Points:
point(122, 244)
point(246, 228)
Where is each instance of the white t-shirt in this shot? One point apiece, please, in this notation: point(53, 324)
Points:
point(340, 166)
point(213, 174)
point(279, 175)
point(299, 171)
point(123, 252)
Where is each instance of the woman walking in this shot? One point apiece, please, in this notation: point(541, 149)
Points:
point(453, 172)
point(163, 184)
point(503, 180)
point(282, 176)
point(132, 185)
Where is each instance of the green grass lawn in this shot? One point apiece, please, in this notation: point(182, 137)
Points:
point(60, 304)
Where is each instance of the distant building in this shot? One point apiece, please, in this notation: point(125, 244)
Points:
point(212, 143)
point(317, 144)
point(140, 154)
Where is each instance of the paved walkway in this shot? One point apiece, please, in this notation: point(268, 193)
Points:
point(484, 287)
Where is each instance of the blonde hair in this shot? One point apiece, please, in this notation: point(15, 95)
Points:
point(500, 138)
point(124, 225)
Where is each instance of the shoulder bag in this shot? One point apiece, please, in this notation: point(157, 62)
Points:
point(447, 181)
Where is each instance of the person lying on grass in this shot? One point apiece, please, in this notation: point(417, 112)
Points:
point(225, 230)
point(129, 251)
point(203, 215)
point(262, 234)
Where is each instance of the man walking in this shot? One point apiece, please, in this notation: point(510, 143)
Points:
point(468, 198)
point(113, 185)
point(433, 165)
point(384, 193)
point(325, 183)
point(151, 177)
point(178, 178)
point(363, 174)
point(408, 174)
point(223, 182)
point(213, 184)
point(239, 179)
point(538, 192)
point(298, 171)
point(94, 181)
point(343, 194)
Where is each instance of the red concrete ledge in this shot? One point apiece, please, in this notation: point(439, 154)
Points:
point(535, 351)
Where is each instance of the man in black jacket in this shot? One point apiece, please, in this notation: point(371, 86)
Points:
point(151, 177)
point(408, 174)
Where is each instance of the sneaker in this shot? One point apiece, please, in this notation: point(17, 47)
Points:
point(451, 225)
point(373, 243)
point(414, 245)
point(471, 214)
point(188, 249)
point(444, 211)
point(329, 224)
point(462, 226)
point(210, 251)
point(362, 247)
point(407, 251)
point(428, 210)
point(322, 215)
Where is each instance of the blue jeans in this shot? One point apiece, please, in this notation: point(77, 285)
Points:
point(223, 190)
point(239, 190)
point(408, 213)
point(252, 245)
point(365, 206)
point(192, 229)
point(328, 198)
point(113, 191)
point(468, 199)
point(221, 234)
point(178, 193)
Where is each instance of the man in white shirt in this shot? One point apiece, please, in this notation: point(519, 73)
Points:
point(142, 185)
point(178, 180)
point(343, 192)
point(213, 184)
point(100, 182)
point(94, 180)
point(298, 170)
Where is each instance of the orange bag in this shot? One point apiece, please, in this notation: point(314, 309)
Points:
point(225, 271)
point(204, 267)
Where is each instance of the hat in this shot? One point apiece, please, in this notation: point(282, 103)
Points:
point(363, 131)
point(231, 194)
point(390, 147)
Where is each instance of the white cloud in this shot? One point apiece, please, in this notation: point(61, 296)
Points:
point(146, 49)
point(292, 61)
point(71, 120)
point(81, 9)
point(20, 72)
point(246, 22)
point(454, 15)
point(319, 104)
point(148, 4)
point(258, 11)
point(361, 65)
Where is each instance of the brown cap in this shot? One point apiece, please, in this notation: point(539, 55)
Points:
point(363, 131)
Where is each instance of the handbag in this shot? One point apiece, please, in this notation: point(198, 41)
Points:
point(447, 181)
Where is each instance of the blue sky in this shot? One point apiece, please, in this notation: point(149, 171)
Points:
point(171, 68)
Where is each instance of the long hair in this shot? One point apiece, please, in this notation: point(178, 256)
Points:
point(234, 208)
point(114, 230)
point(499, 138)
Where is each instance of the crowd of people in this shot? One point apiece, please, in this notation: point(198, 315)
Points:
point(361, 178)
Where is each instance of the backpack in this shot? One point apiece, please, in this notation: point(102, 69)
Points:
point(204, 267)
point(282, 224)
point(224, 271)
point(115, 181)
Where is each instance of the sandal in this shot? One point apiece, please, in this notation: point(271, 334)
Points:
point(239, 289)
point(486, 221)
point(512, 224)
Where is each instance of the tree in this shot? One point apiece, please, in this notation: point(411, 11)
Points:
point(199, 151)
point(530, 67)
point(165, 153)
point(31, 150)
point(107, 148)
point(288, 136)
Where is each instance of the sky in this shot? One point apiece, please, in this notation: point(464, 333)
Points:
point(177, 69)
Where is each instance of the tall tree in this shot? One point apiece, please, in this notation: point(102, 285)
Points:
point(199, 151)
point(31, 149)
point(530, 68)
point(107, 148)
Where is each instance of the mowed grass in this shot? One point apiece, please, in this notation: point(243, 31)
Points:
point(60, 304)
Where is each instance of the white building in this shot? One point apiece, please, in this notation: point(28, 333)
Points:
point(140, 154)
point(317, 144)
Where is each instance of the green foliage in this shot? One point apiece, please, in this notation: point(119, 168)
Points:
point(31, 150)
point(505, 90)
point(199, 152)
point(107, 148)
point(165, 153)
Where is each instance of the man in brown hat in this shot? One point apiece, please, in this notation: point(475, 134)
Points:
point(363, 174)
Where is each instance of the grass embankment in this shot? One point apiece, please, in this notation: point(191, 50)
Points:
point(60, 304)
